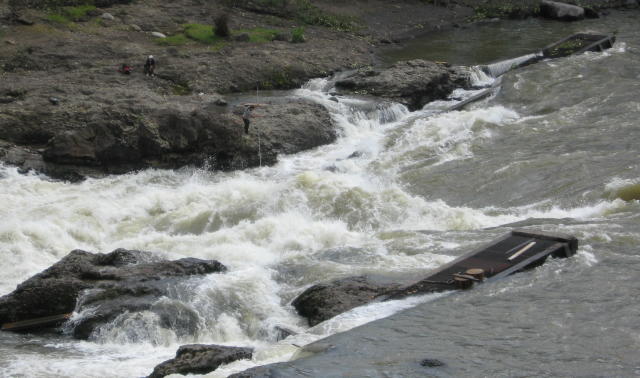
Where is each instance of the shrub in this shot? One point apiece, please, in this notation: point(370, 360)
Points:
point(297, 35)
point(66, 15)
point(222, 26)
point(77, 13)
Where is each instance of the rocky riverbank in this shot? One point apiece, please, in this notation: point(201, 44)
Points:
point(67, 112)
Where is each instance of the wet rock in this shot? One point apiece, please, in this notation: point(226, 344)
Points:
point(413, 83)
point(591, 13)
point(54, 100)
point(200, 359)
point(324, 301)
point(431, 362)
point(561, 11)
point(24, 20)
point(113, 140)
point(632, 4)
point(283, 332)
point(110, 284)
point(256, 372)
point(243, 37)
point(283, 37)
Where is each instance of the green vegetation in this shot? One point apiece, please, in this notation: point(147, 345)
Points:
point(79, 12)
point(629, 193)
point(301, 10)
point(66, 15)
point(205, 34)
point(181, 89)
point(259, 35)
point(218, 46)
point(568, 47)
point(503, 9)
point(201, 33)
point(58, 18)
point(312, 15)
point(278, 79)
point(297, 35)
point(173, 40)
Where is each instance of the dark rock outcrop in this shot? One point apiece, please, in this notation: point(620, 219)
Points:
point(119, 138)
point(112, 283)
point(324, 301)
point(413, 83)
point(200, 359)
point(561, 11)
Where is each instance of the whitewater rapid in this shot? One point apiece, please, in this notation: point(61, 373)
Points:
point(338, 210)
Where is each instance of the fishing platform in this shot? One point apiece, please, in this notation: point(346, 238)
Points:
point(572, 45)
point(517, 251)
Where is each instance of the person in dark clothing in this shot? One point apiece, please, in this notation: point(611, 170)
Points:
point(248, 114)
point(150, 66)
point(246, 117)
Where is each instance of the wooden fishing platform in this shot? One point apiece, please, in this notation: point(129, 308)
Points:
point(577, 44)
point(572, 45)
point(515, 252)
point(31, 324)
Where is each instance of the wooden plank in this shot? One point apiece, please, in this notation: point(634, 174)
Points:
point(29, 324)
point(517, 251)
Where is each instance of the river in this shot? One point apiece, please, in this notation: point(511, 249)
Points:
point(555, 150)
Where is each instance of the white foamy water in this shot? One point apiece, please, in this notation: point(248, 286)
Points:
point(319, 203)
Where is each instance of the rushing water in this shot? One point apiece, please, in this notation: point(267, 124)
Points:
point(555, 149)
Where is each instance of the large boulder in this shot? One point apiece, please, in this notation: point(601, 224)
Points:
point(120, 139)
point(413, 83)
point(324, 301)
point(561, 11)
point(110, 284)
point(200, 359)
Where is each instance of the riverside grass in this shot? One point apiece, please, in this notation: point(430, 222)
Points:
point(67, 15)
point(205, 34)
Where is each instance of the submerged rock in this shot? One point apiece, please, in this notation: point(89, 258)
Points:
point(200, 359)
point(431, 362)
point(110, 284)
point(413, 83)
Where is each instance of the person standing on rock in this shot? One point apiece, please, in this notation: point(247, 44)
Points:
point(248, 114)
point(150, 66)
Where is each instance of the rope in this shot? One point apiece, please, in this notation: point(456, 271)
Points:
point(259, 132)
